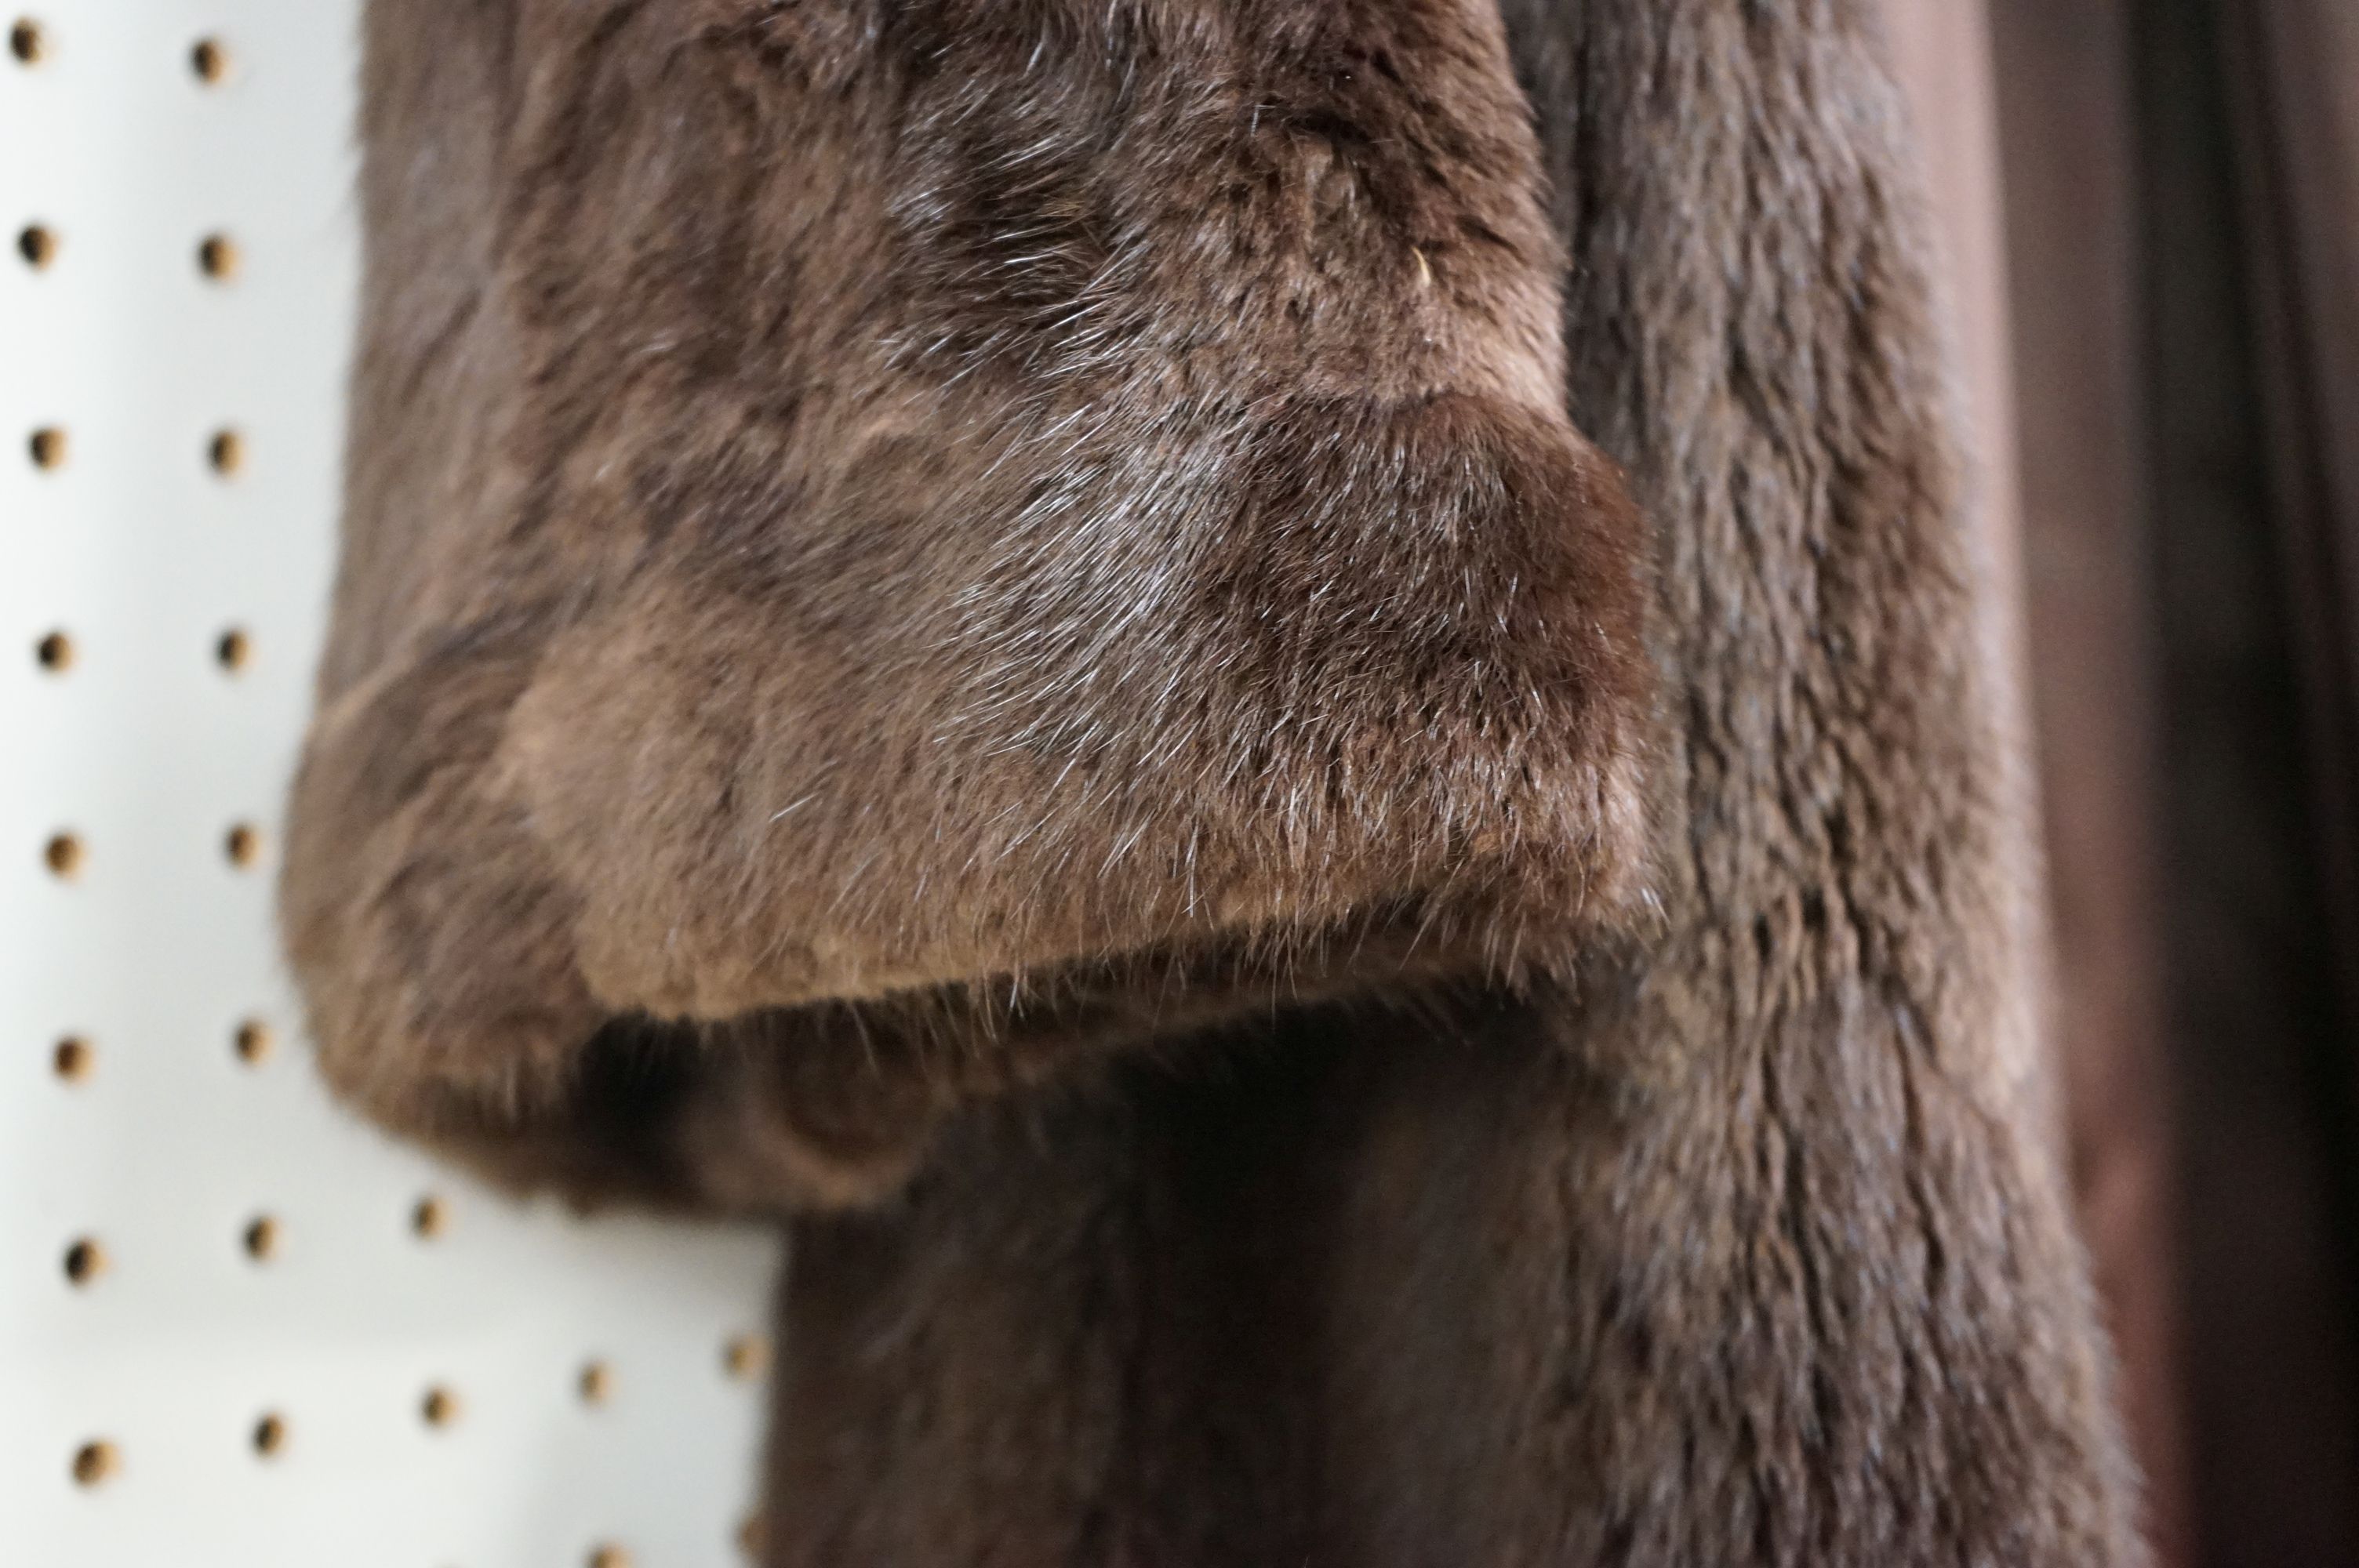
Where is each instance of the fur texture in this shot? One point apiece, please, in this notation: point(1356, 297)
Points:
point(866, 509)
point(1002, 509)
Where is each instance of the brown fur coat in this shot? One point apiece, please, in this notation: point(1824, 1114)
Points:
point(984, 624)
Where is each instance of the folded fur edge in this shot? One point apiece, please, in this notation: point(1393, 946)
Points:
point(491, 1063)
point(1275, 744)
point(834, 1106)
point(519, 1089)
point(439, 929)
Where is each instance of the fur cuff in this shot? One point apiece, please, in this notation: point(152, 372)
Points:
point(963, 520)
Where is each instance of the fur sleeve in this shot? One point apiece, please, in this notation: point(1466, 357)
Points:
point(889, 542)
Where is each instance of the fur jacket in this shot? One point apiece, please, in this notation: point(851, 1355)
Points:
point(1270, 708)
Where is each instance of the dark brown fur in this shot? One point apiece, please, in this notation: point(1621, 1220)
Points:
point(992, 506)
point(899, 546)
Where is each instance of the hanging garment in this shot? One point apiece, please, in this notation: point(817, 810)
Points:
point(1269, 707)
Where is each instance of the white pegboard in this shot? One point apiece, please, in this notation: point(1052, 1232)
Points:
point(159, 619)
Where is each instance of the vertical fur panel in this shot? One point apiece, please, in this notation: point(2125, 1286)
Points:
point(1912, 1369)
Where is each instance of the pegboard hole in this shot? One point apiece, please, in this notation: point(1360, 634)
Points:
point(234, 650)
point(217, 258)
point(73, 1058)
point(55, 652)
point(28, 42)
point(64, 855)
point(85, 1261)
point(747, 1356)
point(227, 453)
point(37, 244)
point(270, 1436)
point(95, 1462)
point(209, 59)
point(243, 845)
point(609, 1556)
point(252, 1042)
point(47, 447)
point(439, 1408)
point(596, 1383)
point(262, 1238)
point(430, 1217)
